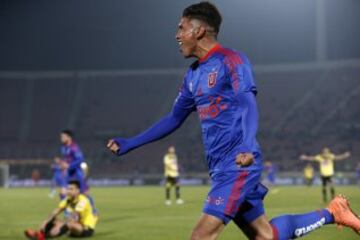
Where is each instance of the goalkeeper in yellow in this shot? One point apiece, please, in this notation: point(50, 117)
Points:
point(80, 220)
point(326, 161)
point(171, 172)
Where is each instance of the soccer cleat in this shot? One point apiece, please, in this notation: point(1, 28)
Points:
point(30, 234)
point(34, 235)
point(343, 215)
point(168, 202)
point(179, 201)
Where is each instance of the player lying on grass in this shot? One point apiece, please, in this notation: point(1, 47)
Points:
point(80, 221)
point(220, 87)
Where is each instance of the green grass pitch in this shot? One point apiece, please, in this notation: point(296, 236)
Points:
point(137, 213)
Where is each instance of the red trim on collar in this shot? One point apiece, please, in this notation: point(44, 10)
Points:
point(210, 52)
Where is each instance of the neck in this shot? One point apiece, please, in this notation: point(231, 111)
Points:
point(204, 46)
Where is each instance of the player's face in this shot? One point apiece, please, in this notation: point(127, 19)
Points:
point(72, 191)
point(326, 151)
point(171, 150)
point(186, 37)
point(64, 138)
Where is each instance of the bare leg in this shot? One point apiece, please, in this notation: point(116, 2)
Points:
point(207, 228)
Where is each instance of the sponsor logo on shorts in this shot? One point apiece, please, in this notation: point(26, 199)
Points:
point(215, 200)
point(302, 231)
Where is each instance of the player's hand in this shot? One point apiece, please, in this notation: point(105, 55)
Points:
point(303, 157)
point(244, 159)
point(113, 146)
point(347, 154)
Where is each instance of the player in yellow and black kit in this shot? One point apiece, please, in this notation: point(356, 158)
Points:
point(171, 175)
point(309, 174)
point(80, 220)
point(326, 161)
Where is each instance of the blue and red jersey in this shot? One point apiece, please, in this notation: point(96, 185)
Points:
point(213, 87)
point(73, 155)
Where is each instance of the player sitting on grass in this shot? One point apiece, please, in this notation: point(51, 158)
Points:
point(80, 221)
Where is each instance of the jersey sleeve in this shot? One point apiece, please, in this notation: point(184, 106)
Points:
point(240, 73)
point(318, 158)
point(63, 203)
point(77, 158)
point(185, 99)
point(81, 206)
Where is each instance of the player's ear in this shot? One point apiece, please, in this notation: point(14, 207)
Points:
point(200, 32)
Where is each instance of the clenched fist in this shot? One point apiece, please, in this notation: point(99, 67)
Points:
point(113, 146)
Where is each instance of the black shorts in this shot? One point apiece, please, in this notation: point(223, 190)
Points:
point(326, 180)
point(87, 232)
point(172, 180)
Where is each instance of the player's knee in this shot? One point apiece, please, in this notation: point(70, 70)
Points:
point(199, 234)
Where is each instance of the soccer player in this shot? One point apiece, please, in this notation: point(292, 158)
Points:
point(59, 178)
point(80, 222)
point(326, 160)
point(171, 172)
point(270, 170)
point(73, 158)
point(309, 174)
point(220, 87)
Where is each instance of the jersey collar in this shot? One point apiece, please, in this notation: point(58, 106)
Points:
point(210, 53)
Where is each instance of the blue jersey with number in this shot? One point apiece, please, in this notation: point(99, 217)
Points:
point(212, 87)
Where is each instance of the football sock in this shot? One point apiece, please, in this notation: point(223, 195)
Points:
point(293, 226)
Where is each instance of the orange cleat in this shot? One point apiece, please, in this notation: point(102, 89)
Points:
point(339, 207)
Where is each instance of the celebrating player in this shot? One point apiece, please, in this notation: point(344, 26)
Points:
point(80, 221)
point(326, 160)
point(74, 158)
point(171, 176)
point(220, 86)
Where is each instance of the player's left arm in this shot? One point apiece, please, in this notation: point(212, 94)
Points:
point(78, 158)
point(244, 89)
point(249, 123)
point(343, 156)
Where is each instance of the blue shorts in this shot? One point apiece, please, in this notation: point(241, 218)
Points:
point(78, 175)
point(236, 196)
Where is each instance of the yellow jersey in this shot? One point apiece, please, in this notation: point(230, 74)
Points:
point(82, 206)
point(171, 166)
point(326, 164)
point(309, 172)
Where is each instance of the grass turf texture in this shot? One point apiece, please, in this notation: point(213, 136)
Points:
point(137, 213)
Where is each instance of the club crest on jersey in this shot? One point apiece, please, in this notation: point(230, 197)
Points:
point(212, 79)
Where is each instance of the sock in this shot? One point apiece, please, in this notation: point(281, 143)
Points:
point(92, 202)
point(177, 192)
point(293, 226)
point(324, 192)
point(332, 190)
point(49, 226)
point(167, 193)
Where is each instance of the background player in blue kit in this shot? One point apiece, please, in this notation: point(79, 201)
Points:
point(220, 87)
point(59, 178)
point(73, 157)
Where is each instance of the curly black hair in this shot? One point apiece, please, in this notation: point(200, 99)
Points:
point(206, 12)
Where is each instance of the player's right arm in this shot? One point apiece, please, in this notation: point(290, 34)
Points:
point(183, 106)
point(53, 215)
point(307, 158)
